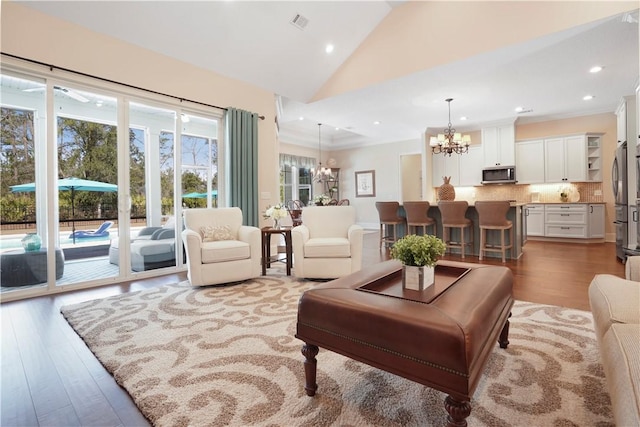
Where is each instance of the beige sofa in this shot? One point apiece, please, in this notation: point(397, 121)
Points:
point(615, 304)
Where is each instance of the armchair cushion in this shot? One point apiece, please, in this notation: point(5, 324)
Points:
point(224, 250)
point(327, 247)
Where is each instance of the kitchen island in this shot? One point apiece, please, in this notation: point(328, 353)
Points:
point(516, 215)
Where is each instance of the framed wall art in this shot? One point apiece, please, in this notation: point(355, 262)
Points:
point(366, 183)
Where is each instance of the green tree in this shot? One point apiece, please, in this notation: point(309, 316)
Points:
point(17, 158)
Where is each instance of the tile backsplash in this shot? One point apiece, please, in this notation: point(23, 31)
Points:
point(527, 193)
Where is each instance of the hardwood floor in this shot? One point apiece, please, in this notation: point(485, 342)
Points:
point(50, 378)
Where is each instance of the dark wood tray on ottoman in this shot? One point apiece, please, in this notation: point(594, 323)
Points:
point(457, 324)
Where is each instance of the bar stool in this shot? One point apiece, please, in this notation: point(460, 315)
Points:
point(453, 216)
point(388, 213)
point(416, 213)
point(492, 215)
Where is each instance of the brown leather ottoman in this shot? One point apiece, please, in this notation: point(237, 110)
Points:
point(440, 340)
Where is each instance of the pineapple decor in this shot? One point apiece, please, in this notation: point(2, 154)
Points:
point(446, 190)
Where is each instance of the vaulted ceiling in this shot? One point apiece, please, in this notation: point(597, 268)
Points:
point(393, 62)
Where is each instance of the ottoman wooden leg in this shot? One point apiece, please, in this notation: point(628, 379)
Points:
point(309, 351)
point(458, 411)
point(503, 340)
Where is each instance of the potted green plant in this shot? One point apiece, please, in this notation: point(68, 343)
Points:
point(418, 255)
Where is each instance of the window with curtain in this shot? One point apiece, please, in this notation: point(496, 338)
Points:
point(295, 178)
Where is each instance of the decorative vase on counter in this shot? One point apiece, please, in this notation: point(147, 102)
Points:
point(446, 191)
point(417, 278)
point(31, 242)
point(276, 223)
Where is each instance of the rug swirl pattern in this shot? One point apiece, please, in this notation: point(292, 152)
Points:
point(228, 356)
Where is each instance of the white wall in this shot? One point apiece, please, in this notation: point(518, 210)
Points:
point(385, 160)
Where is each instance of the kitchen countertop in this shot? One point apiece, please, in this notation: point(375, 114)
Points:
point(566, 203)
point(472, 204)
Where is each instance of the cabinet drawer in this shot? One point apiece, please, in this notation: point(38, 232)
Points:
point(536, 208)
point(557, 217)
point(566, 208)
point(577, 231)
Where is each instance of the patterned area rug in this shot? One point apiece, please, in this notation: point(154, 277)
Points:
point(228, 356)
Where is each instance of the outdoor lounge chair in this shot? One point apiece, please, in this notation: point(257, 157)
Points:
point(153, 247)
point(102, 231)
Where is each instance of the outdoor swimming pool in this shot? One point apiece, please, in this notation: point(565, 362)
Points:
point(13, 241)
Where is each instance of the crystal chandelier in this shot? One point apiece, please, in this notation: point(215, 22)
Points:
point(450, 141)
point(320, 173)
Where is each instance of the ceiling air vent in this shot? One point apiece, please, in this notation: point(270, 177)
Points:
point(299, 21)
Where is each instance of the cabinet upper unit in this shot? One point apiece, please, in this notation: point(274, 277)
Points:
point(498, 145)
point(572, 158)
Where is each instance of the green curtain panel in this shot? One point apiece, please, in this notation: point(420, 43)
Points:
point(242, 134)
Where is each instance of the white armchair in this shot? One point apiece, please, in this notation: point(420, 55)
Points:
point(328, 244)
point(219, 248)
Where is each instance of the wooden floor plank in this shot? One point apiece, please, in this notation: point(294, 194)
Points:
point(49, 368)
point(16, 407)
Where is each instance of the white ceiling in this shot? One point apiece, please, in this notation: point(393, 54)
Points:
point(253, 41)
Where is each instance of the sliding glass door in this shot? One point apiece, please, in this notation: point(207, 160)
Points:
point(24, 233)
point(94, 181)
point(87, 191)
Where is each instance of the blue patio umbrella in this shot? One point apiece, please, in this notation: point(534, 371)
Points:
point(71, 184)
point(196, 195)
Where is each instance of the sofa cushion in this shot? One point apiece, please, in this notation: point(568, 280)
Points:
point(613, 300)
point(153, 247)
point(163, 233)
point(224, 250)
point(327, 247)
point(621, 359)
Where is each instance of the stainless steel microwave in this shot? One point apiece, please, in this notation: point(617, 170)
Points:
point(499, 175)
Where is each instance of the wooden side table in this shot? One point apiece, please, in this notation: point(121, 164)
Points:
point(267, 232)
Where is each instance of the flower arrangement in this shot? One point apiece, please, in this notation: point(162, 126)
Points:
point(418, 251)
point(321, 200)
point(276, 212)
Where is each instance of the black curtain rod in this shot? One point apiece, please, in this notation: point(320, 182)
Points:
point(51, 67)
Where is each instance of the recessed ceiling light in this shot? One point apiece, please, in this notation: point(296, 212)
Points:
point(595, 69)
point(463, 118)
point(519, 109)
point(329, 48)
point(300, 118)
point(588, 97)
point(376, 122)
point(337, 128)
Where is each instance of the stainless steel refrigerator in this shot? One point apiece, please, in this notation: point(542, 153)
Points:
point(619, 181)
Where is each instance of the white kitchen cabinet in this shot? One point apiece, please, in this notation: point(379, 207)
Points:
point(470, 166)
point(621, 121)
point(565, 159)
point(565, 220)
point(596, 220)
point(530, 161)
point(498, 146)
point(443, 165)
point(535, 219)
